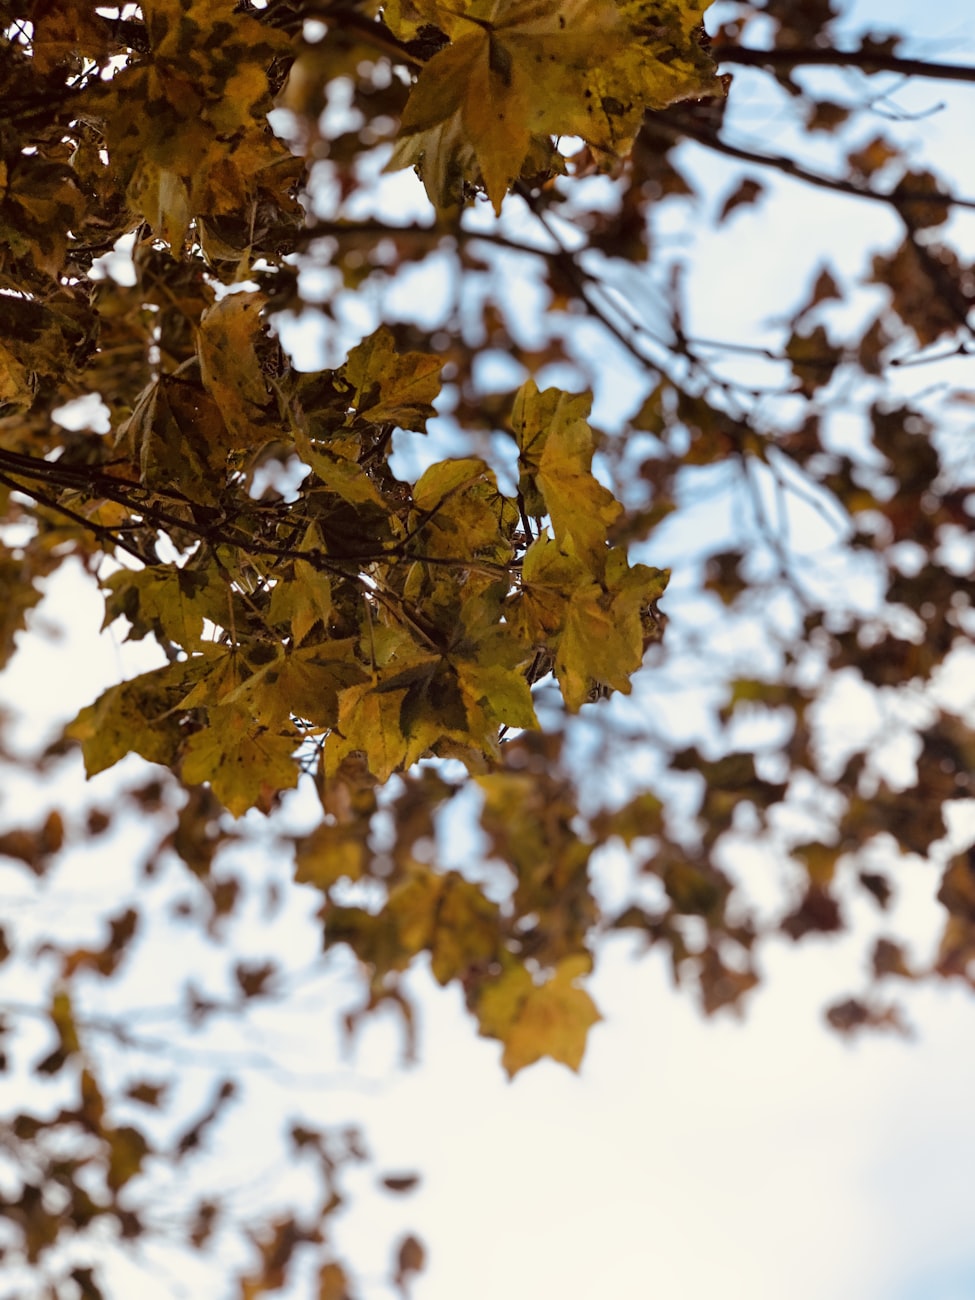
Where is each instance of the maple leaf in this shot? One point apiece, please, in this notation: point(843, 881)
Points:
point(519, 69)
point(532, 1020)
point(331, 853)
point(216, 671)
point(602, 637)
point(42, 202)
point(462, 511)
point(35, 339)
point(171, 603)
point(447, 916)
point(556, 448)
point(134, 717)
point(377, 386)
point(302, 682)
point(336, 465)
point(302, 597)
point(495, 694)
point(391, 387)
point(426, 911)
point(369, 721)
point(594, 628)
point(466, 932)
point(241, 760)
point(176, 427)
point(230, 367)
point(62, 31)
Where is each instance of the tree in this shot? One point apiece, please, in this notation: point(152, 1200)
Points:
point(407, 644)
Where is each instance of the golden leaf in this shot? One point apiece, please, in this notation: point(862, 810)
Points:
point(538, 1020)
point(136, 717)
point(519, 69)
point(230, 367)
point(170, 602)
point(240, 759)
point(332, 853)
point(391, 387)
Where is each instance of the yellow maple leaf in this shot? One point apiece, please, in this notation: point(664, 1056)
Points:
point(369, 721)
point(331, 853)
point(391, 387)
point(339, 472)
point(603, 638)
point(218, 670)
point(240, 759)
point(466, 930)
point(462, 511)
point(163, 198)
point(302, 683)
point(538, 1020)
point(231, 370)
point(593, 627)
point(519, 69)
point(134, 717)
point(556, 449)
point(302, 596)
point(548, 578)
point(494, 695)
point(171, 602)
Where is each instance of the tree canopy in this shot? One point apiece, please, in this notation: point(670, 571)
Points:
point(423, 594)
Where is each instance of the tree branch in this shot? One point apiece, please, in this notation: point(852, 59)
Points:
point(102, 534)
point(675, 129)
point(866, 60)
point(219, 530)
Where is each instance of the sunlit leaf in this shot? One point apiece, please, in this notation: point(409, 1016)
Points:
point(533, 1021)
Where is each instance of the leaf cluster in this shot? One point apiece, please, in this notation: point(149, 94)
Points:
point(416, 647)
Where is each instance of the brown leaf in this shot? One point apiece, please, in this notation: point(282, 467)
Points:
point(889, 959)
point(929, 288)
point(147, 1094)
point(252, 977)
point(410, 1258)
point(851, 1015)
point(877, 885)
point(88, 1289)
point(818, 912)
point(747, 193)
point(922, 200)
point(128, 1149)
point(813, 358)
point(872, 157)
point(826, 115)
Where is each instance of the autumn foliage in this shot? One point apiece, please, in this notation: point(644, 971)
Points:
point(174, 176)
